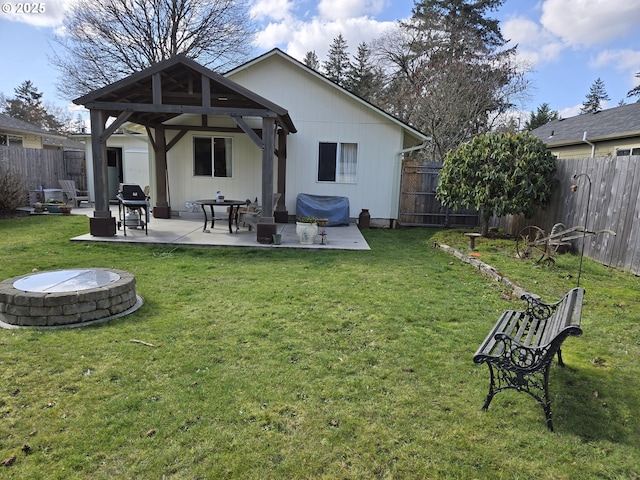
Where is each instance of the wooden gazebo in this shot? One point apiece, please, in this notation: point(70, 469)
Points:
point(169, 89)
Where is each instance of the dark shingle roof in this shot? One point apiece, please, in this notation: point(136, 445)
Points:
point(618, 122)
point(14, 125)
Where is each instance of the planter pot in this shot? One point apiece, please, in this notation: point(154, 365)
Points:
point(66, 209)
point(53, 208)
point(306, 232)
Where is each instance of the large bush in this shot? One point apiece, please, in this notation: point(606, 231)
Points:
point(13, 189)
point(497, 173)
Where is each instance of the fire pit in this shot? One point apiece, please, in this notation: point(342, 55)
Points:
point(67, 298)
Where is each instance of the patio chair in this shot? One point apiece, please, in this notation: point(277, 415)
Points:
point(73, 194)
point(254, 212)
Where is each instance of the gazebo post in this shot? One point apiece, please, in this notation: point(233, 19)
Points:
point(102, 224)
point(266, 226)
point(162, 208)
point(281, 215)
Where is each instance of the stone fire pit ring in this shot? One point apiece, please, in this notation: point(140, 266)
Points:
point(67, 298)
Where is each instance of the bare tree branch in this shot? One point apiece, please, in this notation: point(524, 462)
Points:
point(106, 40)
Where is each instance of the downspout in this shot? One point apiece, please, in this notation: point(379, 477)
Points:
point(593, 145)
point(413, 149)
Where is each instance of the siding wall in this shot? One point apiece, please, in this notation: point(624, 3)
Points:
point(614, 204)
point(322, 113)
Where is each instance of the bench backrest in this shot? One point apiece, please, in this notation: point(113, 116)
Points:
point(548, 320)
point(539, 325)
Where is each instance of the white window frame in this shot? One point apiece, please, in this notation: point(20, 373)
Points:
point(228, 154)
point(10, 140)
point(346, 171)
point(631, 150)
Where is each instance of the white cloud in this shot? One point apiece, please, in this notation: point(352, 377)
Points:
point(589, 22)
point(570, 111)
point(276, 10)
point(625, 61)
point(40, 14)
point(535, 44)
point(343, 9)
point(298, 37)
point(618, 59)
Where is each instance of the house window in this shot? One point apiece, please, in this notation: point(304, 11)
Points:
point(212, 156)
point(337, 162)
point(624, 152)
point(11, 140)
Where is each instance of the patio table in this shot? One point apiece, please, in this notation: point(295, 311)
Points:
point(233, 206)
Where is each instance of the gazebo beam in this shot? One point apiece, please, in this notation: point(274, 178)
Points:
point(180, 109)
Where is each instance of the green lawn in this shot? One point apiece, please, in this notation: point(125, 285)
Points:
point(294, 364)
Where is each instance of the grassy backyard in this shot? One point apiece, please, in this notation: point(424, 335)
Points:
point(293, 364)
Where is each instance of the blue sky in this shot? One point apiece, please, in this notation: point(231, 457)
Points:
point(567, 44)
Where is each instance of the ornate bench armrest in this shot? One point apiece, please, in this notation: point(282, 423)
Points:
point(517, 356)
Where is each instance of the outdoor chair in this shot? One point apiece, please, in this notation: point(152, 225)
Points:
point(73, 194)
point(254, 212)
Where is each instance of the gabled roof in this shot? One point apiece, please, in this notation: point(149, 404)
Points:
point(610, 124)
point(175, 86)
point(280, 53)
point(13, 125)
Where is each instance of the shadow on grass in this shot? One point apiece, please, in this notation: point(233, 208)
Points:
point(595, 404)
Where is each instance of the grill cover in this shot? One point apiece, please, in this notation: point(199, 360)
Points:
point(335, 209)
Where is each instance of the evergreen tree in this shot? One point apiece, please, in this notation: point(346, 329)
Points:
point(27, 106)
point(362, 77)
point(593, 101)
point(543, 115)
point(311, 60)
point(337, 64)
point(451, 75)
point(635, 92)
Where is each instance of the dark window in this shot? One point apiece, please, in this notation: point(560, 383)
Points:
point(338, 165)
point(202, 156)
point(327, 162)
point(212, 156)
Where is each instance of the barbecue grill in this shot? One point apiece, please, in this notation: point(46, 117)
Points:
point(131, 200)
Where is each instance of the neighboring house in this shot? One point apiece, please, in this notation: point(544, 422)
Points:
point(270, 125)
point(17, 133)
point(127, 158)
point(41, 157)
point(607, 133)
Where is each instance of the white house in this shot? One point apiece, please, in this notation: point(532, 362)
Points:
point(333, 125)
point(127, 159)
point(269, 125)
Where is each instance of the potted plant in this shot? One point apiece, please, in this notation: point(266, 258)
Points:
point(306, 229)
point(53, 206)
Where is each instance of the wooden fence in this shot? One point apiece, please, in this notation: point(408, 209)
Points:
point(614, 204)
point(419, 205)
point(41, 167)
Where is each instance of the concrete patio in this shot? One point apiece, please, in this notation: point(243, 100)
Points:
point(188, 231)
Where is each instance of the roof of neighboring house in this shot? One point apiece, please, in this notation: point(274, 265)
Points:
point(277, 51)
point(64, 143)
point(14, 125)
point(613, 123)
point(173, 87)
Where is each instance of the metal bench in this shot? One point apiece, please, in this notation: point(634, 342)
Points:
point(520, 347)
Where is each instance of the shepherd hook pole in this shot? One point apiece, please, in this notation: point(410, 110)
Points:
point(586, 217)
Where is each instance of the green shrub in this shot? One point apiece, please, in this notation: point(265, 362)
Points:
point(13, 188)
